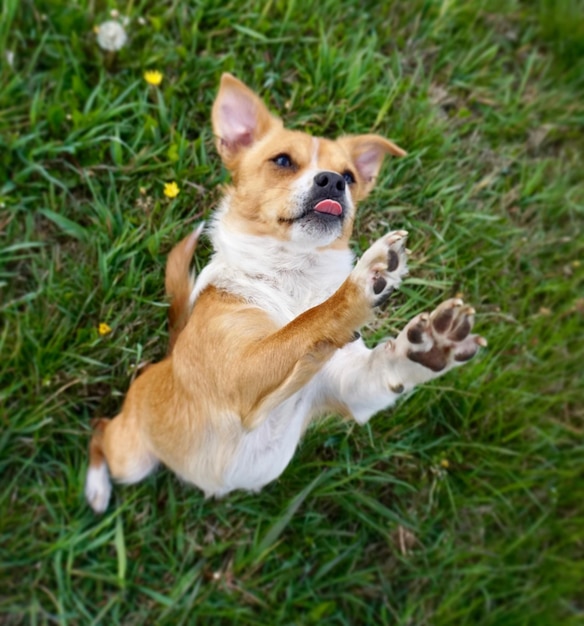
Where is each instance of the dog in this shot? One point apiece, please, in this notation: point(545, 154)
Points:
point(267, 338)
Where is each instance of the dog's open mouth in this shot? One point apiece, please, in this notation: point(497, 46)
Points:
point(327, 209)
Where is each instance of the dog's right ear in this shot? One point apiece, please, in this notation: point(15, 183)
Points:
point(240, 119)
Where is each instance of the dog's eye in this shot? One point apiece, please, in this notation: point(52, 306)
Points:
point(349, 178)
point(282, 160)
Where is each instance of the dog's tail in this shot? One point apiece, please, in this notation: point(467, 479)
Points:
point(179, 282)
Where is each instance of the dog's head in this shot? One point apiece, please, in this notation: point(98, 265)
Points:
point(287, 184)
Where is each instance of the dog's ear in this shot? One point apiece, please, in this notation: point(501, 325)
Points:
point(367, 153)
point(240, 118)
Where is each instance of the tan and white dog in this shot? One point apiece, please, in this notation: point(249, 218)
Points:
point(265, 340)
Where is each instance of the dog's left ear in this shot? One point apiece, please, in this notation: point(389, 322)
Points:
point(367, 153)
point(240, 119)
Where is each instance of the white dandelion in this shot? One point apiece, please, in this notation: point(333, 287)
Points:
point(111, 36)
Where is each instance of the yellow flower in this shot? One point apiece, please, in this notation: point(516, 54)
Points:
point(445, 463)
point(153, 77)
point(104, 329)
point(171, 190)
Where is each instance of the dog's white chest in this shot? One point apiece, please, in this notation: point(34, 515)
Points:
point(275, 276)
point(287, 294)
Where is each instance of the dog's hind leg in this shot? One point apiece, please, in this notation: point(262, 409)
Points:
point(117, 449)
point(359, 382)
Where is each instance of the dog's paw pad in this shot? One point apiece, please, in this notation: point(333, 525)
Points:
point(417, 329)
point(392, 260)
point(379, 284)
point(452, 321)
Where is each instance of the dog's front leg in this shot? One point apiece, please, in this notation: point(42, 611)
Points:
point(296, 352)
point(360, 382)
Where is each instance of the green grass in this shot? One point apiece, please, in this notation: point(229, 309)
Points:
point(367, 525)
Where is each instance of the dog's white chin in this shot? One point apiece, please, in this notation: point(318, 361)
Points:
point(311, 235)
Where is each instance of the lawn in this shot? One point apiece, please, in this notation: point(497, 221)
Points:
point(462, 505)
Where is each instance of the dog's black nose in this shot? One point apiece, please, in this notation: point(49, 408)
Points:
point(331, 184)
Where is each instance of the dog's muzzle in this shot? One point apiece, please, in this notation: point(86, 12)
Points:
point(328, 193)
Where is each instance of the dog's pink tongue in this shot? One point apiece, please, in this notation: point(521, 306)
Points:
point(329, 206)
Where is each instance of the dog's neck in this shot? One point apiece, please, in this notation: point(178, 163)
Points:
point(261, 255)
point(283, 277)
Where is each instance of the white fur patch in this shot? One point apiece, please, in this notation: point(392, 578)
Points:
point(98, 487)
point(264, 453)
point(314, 160)
point(283, 278)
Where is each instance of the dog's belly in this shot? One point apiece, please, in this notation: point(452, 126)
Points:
point(263, 453)
point(235, 458)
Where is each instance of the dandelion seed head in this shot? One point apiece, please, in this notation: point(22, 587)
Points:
point(111, 36)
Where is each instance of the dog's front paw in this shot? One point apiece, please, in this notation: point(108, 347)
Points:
point(442, 339)
point(381, 269)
